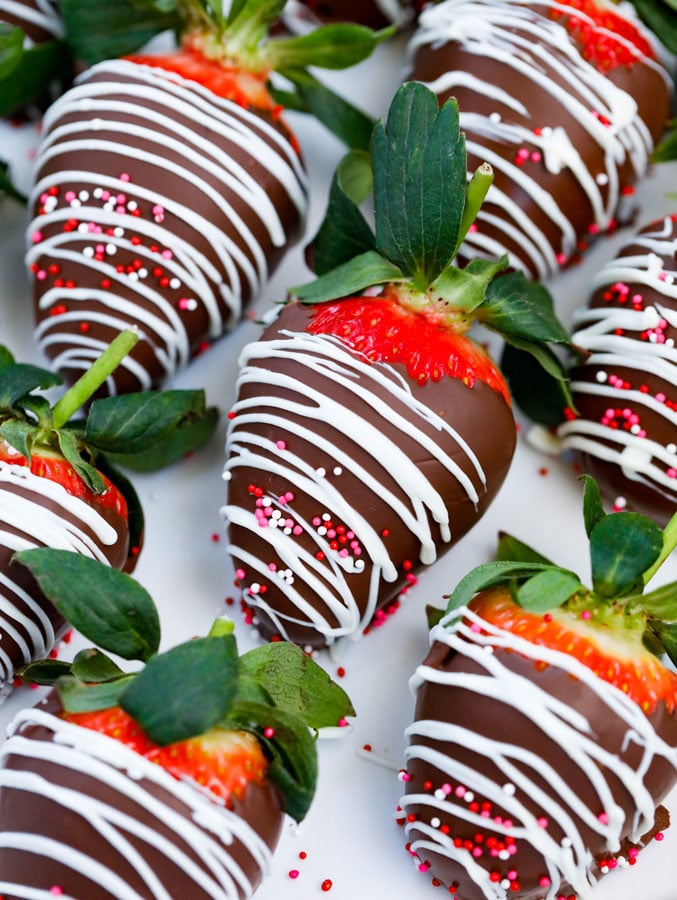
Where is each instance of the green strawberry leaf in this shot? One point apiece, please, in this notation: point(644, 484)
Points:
point(547, 590)
point(516, 307)
point(91, 665)
point(100, 31)
point(344, 232)
point(11, 48)
point(593, 507)
point(538, 381)
point(512, 549)
point(7, 187)
point(29, 73)
point(419, 164)
point(102, 603)
point(290, 748)
point(666, 633)
point(661, 603)
point(44, 671)
point(335, 46)
point(666, 149)
point(6, 357)
point(70, 447)
point(659, 16)
point(491, 574)
point(78, 697)
point(465, 289)
point(151, 429)
point(19, 435)
point(297, 684)
point(184, 691)
point(622, 547)
point(367, 270)
point(19, 379)
point(309, 95)
point(434, 615)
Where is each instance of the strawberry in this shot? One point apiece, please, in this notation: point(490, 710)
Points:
point(171, 781)
point(625, 385)
point(169, 186)
point(59, 487)
point(544, 739)
point(370, 431)
point(565, 100)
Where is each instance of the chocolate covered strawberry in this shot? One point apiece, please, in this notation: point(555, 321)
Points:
point(370, 431)
point(169, 186)
point(624, 428)
point(566, 102)
point(59, 486)
point(173, 781)
point(545, 739)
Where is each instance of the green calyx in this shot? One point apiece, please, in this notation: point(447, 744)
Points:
point(626, 551)
point(240, 38)
point(275, 691)
point(424, 203)
point(144, 431)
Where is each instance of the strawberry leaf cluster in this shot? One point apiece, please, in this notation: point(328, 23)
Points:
point(27, 72)
point(626, 550)
point(423, 205)
point(275, 691)
point(144, 431)
point(239, 38)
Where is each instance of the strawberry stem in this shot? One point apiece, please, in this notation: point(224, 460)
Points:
point(221, 626)
point(475, 193)
point(669, 544)
point(94, 377)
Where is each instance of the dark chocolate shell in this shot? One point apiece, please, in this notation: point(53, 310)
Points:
point(345, 477)
point(625, 393)
point(81, 812)
point(158, 205)
point(38, 512)
point(40, 20)
point(566, 117)
point(527, 776)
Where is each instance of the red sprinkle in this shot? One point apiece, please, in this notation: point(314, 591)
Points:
point(327, 884)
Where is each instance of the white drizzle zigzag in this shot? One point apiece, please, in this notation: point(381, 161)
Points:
point(328, 359)
point(206, 830)
point(469, 635)
point(489, 28)
point(154, 99)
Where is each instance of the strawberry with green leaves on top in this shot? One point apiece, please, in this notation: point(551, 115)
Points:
point(545, 726)
point(59, 484)
point(370, 430)
point(169, 781)
point(168, 184)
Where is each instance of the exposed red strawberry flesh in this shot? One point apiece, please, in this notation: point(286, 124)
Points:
point(614, 657)
point(222, 762)
point(599, 39)
point(385, 331)
point(58, 469)
point(227, 81)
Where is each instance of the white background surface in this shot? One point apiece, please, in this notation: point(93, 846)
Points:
point(350, 835)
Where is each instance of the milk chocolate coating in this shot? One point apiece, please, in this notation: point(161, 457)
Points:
point(625, 391)
point(369, 458)
point(39, 19)
point(372, 13)
point(567, 128)
point(37, 513)
point(145, 817)
point(157, 205)
point(491, 720)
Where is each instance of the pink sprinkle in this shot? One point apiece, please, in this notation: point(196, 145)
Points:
point(460, 791)
point(477, 851)
point(603, 818)
point(281, 445)
point(268, 732)
point(293, 873)
point(660, 836)
point(317, 521)
point(342, 723)
point(158, 210)
point(561, 258)
point(544, 881)
point(446, 789)
point(423, 867)
point(41, 275)
point(56, 890)
point(288, 497)
point(240, 573)
point(36, 237)
point(124, 176)
point(70, 196)
point(542, 822)
point(586, 614)
point(475, 627)
point(272, 566)
point(166, 254)
point(297, 530)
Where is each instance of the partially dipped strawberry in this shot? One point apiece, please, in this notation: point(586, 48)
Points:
point(169, 186)
point(544, 739)
point(172, 781)
point(59, 486)
point(565, 100)
point(370, 431)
